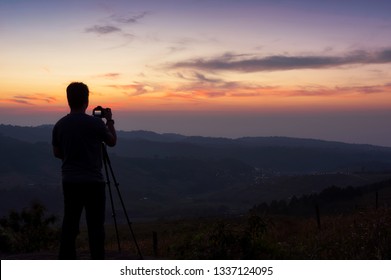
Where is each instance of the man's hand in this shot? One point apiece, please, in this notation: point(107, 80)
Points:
point(112, 138)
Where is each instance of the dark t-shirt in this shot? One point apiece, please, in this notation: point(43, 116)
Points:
point(79, 137)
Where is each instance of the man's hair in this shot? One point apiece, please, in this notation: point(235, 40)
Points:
point(77, 95)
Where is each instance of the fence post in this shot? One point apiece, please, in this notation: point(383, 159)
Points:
point(155, 243)
point(318, 216)
point(377, 200)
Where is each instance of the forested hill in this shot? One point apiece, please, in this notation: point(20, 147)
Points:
point(165, 175)
point(277, 154)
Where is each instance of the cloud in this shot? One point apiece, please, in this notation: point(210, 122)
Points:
point(248, 63)
point(198, 91)
point(109, 76)
point(133, 89)
point(103, 29)
point(317, 91)
point(200, 85)
point(129, 19)
point(115, 24)
point(198, 77)
point(37, 97)
point(203, 78)
point(31, 99)
point(25, 102)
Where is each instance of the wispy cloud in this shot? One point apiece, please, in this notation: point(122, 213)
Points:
point(200, 87)
point(36, 97)
point(115, 24)
point(110, 76)
point(251, 63)
point(198, 81)
point(318, 91)
point(245, 91)
point(31, 99)
point(135, 89)
point(198, 77)
point(19, 101)
point(129, 19)
point(102, 29)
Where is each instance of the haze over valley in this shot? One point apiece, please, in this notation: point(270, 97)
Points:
point(173, 176)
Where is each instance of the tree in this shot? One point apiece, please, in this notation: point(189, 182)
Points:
point(28, 231)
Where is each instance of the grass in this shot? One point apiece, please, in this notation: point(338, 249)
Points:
point(364, 234)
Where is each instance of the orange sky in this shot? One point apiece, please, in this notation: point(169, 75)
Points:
point(201, 57)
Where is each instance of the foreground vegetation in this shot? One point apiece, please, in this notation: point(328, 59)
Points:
point(30, 230)
point(365, 234)
point(362, 233)
point(337, 223)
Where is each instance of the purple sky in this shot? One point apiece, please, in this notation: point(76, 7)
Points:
point(317, 69)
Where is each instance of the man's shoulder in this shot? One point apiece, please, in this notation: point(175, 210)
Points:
point(60, 121)
point(94, 120)
point(79, 117)
point(80, 121)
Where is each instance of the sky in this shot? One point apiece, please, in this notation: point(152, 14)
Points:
point(303, 68)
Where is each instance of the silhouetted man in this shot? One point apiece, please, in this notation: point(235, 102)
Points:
point(77, 140)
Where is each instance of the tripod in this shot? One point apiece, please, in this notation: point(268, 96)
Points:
point(107, 165)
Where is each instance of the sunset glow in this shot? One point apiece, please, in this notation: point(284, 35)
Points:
point(200, 58)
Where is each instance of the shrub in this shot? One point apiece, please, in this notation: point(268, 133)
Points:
point(27, 231)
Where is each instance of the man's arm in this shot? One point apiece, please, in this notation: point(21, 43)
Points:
point(57, 152)
point(55, 144)
point(112, 137)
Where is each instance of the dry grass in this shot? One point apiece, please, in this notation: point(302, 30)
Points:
point(364, 234)
point(361, 235)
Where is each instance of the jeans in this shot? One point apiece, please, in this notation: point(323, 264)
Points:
point(91, 197)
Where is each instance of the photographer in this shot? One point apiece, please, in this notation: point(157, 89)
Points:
point(77, 140)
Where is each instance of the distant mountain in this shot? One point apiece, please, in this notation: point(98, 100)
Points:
point(43, 133)
point(24, 163)
point(296, 156)
point(171, 175)
point(150, 136)
point(280, 154)
point(30, 134)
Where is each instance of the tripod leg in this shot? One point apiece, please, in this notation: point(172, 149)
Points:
point(112, 204)
point(108, 163)
point(129, 223)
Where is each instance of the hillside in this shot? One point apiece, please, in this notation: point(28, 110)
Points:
point(171, 175)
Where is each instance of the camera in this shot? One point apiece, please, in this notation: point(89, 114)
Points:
point(100, 112)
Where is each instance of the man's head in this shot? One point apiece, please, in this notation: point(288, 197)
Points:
point(77, 95)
